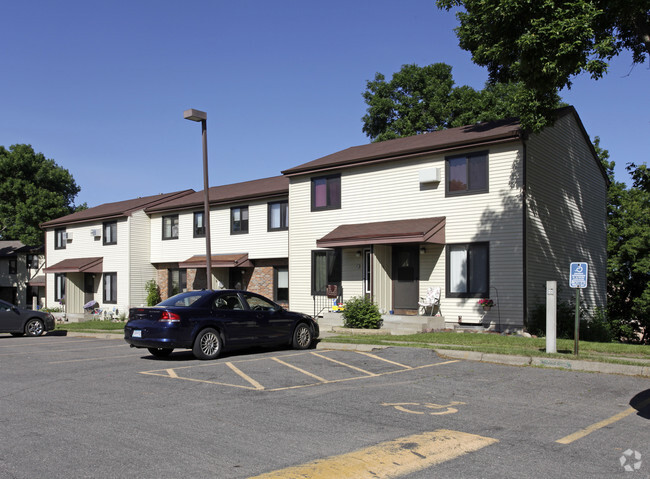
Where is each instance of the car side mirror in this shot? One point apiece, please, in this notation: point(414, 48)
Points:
point(15, 309)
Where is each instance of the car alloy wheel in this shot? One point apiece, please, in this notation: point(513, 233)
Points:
point(34, 327)
point(207, 344)
point(302, 337)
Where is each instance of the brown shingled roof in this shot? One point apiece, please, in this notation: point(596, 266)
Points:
point(115, 210)
point(77, 265)
point(276, 186)
point(436, 141)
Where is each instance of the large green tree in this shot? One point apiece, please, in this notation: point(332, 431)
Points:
point(545, 43)
point(422, 99)
point(628, 251)
point(33, 189)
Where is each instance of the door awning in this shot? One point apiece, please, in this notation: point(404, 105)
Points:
point(421, 230)
point(236, 260)
point(77, 265)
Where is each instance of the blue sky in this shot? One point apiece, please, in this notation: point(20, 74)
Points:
point(100, 87)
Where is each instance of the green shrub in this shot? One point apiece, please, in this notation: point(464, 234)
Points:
point(361, 313)
point(595, 329)
point(153, 293)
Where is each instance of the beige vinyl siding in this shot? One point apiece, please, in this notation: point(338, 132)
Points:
point(382, 287)
point(567, 219)
point(392, 192)
point(141, 269)
point(258, 242)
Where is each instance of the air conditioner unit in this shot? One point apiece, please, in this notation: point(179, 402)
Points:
point(95, 233)
point(430, 175)
point(67, 236)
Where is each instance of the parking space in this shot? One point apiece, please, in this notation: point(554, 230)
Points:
point(293, 370)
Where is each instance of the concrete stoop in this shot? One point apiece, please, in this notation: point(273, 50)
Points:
point(392, 324)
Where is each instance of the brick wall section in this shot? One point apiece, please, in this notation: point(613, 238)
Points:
point(161, 279)
point(261, 281)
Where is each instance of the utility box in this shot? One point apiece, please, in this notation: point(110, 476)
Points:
point(551, 316)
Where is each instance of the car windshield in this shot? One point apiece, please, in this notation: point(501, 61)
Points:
point(183, 299)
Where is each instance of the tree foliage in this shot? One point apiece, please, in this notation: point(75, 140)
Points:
point(545, 43)
point(33, 189)
point(421, 99)
point(628, 251)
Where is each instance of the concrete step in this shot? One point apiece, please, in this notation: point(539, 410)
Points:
point(391, 324)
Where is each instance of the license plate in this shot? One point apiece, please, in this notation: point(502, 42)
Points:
point(137, 333)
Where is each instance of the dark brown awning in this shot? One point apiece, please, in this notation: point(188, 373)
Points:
point(218, 261)
point(422, 230)
point(37, 281)
point(77, 265)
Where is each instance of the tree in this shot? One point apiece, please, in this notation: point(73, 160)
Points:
point(421, 99)
point(628, 251)
point(33, 190)
point(545, 43)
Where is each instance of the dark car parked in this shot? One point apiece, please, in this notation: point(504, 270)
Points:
point(209, 321)
point(19, 321)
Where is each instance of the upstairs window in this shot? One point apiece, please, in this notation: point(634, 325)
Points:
point(279, 216)
point(110, 232)
point(170, 227)
point(239, 220)
point(13, 268)
point(60, 238)
point(467, 174)
point(199, 224)
point(32, 261)
point(326, 193)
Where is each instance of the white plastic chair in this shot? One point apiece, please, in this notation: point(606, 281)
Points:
point(431, 300)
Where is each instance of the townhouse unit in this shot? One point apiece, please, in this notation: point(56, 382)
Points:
point(248, 239)
point(101, 254)
point(485, 211)
point(22, 281)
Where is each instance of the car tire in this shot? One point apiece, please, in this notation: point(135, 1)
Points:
point(34, 327)
point(160, 352)
point(207, 344)
point(302, 337)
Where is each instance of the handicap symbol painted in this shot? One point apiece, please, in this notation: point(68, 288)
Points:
point(414, 407)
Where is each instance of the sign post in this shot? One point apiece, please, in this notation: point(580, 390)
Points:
point(578, 279)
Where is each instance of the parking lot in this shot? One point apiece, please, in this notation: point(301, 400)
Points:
point(87, 407)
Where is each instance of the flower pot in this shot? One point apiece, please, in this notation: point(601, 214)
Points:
point(487, 308)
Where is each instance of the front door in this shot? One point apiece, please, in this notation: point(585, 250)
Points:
point(89, 287)
point(406, 270)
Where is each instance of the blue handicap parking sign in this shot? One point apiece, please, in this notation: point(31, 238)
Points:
point(578, 275)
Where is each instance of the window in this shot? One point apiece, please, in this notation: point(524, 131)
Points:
point(199, 224)
point(229, 302)
point(279, 216)
point(325, 269)
point(239, 220)
point(110, 288)
point(257, 303)
point(281, 282)
point(170, 227)
point(177, 281)
point(467, 174)
point(60, 238)
point(110, 232)
point(468, 270)
point(59, 286)
point(326, 193)
point(13, 269)
point(32, 261)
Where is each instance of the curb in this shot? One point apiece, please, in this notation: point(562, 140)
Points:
point(567, 364)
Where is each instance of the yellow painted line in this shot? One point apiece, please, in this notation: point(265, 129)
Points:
point(383, 359)
point(172, 373)
point(245, 376)
point(345, 364)
point(399, 457)
point(317, 378)
point(599, 425)
point(205, 381)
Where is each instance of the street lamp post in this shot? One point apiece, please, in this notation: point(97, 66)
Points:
point(198, 115)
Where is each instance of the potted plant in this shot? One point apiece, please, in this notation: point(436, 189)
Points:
point(486, 303)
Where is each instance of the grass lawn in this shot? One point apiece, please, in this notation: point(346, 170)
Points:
point(513, 345)
point(92, 326)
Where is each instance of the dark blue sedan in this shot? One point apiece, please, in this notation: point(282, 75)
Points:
point(209, 321)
